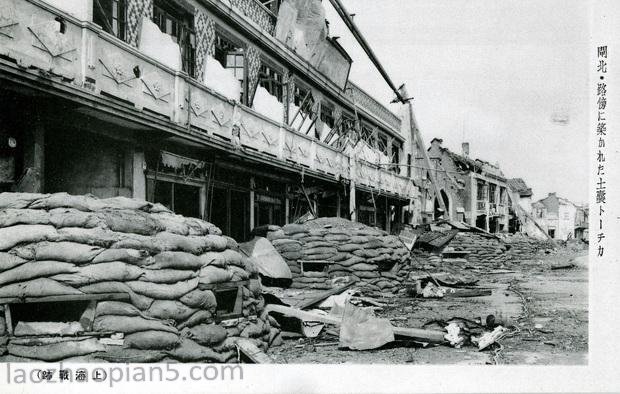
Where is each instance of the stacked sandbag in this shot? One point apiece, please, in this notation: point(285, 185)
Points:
point(368, 255)
point(483, 249)
point(522, 247)
point(59, 244)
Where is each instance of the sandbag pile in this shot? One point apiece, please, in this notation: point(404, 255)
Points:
point(522, 247)
point(60, 244)
point(368, 255)
point(482, 249)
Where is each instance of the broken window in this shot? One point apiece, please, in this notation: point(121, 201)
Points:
point(271, 5)
point(327, 114)
point(231, 56)
point(110, 15)
point(178, 24)
point(492, 189)
point(396, 147)
point(368, 135)
point(272, 81)
point(302, 109)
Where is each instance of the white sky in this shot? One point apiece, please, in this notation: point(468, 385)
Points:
point(493, 73)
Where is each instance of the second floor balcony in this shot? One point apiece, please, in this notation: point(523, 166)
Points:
point(78, 58)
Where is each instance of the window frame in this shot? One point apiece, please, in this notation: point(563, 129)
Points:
point(240, 47)
point(278, 69)
point(121, 19)
point(184, 29)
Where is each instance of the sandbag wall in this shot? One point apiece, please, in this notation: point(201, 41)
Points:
point(58, 244)
point(522, 247)
point(368, 255)
point(482, 249)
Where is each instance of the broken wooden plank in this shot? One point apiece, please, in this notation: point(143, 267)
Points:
point(252, 352)
point(8, 319)
point(422, 335)
point(468, 293)
point(324, 295)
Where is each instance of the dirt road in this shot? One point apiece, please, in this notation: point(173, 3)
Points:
point(548, 308)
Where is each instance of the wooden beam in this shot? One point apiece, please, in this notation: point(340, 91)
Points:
point(418, 334)
point(252, 352)
point(324, 295)
point(8, 319)
point(87, 318)
point(66, 298)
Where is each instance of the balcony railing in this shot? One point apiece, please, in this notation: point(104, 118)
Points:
point(82, 56)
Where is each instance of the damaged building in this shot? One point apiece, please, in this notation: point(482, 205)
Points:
point(238, 112)
point(472, 191)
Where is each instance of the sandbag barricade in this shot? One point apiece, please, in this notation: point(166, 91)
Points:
point(168, 265)
point(368, 255)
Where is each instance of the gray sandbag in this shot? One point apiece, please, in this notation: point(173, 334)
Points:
point(284, 241)
point(35, 269)
point(131, 256)
point(340, 256)
point(289, 248)
point(175, 260)
point(118, 354)
point(141, 242)
point(189, 244)
point(11, 217)
point(349, 247)
point(337, 237)
point(89, 236)
point(232, 257)
point(65, 200)
point(69, 252)
point(22, 233)
point(122, 203)
point(57, 351)
point(363, 267)
point(166, 275)
point(152, 340)
point(358, 239)
point(200, 299)
point(140, 301)
point(366, 253)
point(168, 309)
point(215, 243)
point(130, 221)
point(238, 274)
point(211, 274)
point(163, 291)
point(206, 334)
point(9, 260)
point(171, 223)
point(213, 258)
point(317, 257)
point(291, 255)
point(18, 200)
point(116, 271)
point(200, 227)
point(117, 308)
point(231, 243)
point(40, 287)
point(130, 324)
point(190, 351)
point(201, 316)
point(308, 246)
point(272, 235)
point(367, 274)
point(293, 228)
point(69, 217)
point(319, 250)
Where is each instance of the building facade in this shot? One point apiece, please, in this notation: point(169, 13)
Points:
point(473, 191)
point(556, 215)
point(236, 111)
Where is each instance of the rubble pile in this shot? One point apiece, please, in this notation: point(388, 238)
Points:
point(165, 264)
point(366, 254)
point(482, 249)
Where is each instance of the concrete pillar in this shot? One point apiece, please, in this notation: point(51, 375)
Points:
point(138, 176)
point(252, 218)
point(34, 160)
point(473, 197)
point(287, 205)
point(352, 204)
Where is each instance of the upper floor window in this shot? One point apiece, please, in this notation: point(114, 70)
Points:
point(327, 114)
point(179, 24)
point(302, 109)
point(272, 81)
point(271, 5)
point(110, 15)
point(231, 56)
point(396, 148)
point(368, 135)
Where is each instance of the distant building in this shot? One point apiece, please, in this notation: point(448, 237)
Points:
point(473, 191)
point(556, 215)
point(581, 222)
